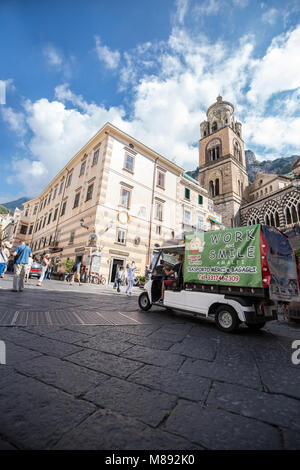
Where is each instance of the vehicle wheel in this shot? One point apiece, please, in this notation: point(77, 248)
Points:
point(103, 280)
point(144, 302)
point(255, 326)
point(226, 318)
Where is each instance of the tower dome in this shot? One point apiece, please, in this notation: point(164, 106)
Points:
point(219, 115)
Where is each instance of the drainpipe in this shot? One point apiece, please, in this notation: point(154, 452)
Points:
point(151, 213)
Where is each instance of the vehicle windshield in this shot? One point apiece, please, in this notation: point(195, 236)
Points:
point(165, 258)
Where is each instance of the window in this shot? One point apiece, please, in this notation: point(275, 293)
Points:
point(54, 193)
point(159, 211)
point(200, 225)
point(26, 213)
point(63, 209)
point(49, 218)
point(95, 157)
point(44, 223)
point(200, 199)
point(50, 240)
point(211, 189)
point(187, 193)
point(161, 179)
point(142, 212)
point(58, 236)
point(35, 210)
point(55, 214)
point(214, 127)
point(129, 162)
point(76, 200)
point(217, 187)
point(71, 240)
point(125, 197)
point(158, 229)
point(45, 200)
point(187, 217)
point(89, 193)
point(23, 229)
point(121, 236)
point(271, 189)
point(40, 226)
point(49, 198)
point(61, 186)
point(69, 179)
point(82, 168)
point(237, 151)
point(30, 230)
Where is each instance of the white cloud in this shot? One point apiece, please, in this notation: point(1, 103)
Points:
point(15, 120)
point(278, 70)
point(53, 56)
point(270, 16)
point(170, 95)
point(110, 58)
point(209, 7)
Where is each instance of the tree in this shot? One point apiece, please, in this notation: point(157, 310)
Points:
point(5, 210)
point(68, 264)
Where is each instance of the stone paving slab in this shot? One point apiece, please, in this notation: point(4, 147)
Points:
point(196, 348)
point(145, 404)
point(38, 417)
point(70, 378)
point(100, 343)
point(272, 409)
point(234, 373)
point(106, 363)
point(281, 379)
point(169, 381)
point(128, 434)
point(291, 439)
point(229, 431)
point(155, 357)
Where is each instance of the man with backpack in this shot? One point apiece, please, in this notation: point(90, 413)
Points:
point(21, 253)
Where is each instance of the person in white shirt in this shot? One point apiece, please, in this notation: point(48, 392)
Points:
point(30, 261)
point(130, 277)
point(4, 255)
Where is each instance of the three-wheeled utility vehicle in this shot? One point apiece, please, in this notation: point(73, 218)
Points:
point(231, 276)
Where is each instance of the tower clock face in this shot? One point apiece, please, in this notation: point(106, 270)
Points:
point(123, 217)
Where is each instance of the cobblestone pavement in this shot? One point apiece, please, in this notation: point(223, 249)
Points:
point(86, 369)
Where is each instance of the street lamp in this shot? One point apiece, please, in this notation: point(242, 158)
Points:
point(82, 225)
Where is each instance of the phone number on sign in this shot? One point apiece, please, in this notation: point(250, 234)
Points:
point(218, 277)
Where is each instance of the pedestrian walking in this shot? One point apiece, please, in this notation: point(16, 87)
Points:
point(21, 254)
point(76, 273)
point(4, 255)
point(130, 277)
point(45, 263)
point(28, 268)
point(120, 278)
point(48, 272)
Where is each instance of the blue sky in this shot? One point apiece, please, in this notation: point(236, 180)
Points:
point(150, 68)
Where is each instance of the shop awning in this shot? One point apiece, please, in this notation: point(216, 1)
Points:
point(215, 221)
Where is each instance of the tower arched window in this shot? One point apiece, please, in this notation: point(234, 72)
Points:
point(237, 151)
point(213, 151)
point(211, 189)
point(214, 127)
point(217, 187)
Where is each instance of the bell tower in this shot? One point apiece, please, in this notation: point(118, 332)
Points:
point(222, 163)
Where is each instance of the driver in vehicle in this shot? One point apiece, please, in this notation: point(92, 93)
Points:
point(176, 270)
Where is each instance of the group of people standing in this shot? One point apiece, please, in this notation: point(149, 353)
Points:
point(120, 278)
point(23, 261)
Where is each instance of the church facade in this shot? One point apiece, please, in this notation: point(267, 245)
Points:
point(271, 199)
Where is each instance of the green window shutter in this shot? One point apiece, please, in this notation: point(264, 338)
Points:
point(187, 193)
point(200, 199)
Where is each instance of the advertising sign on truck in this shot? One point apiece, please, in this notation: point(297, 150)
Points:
point(227, 257)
